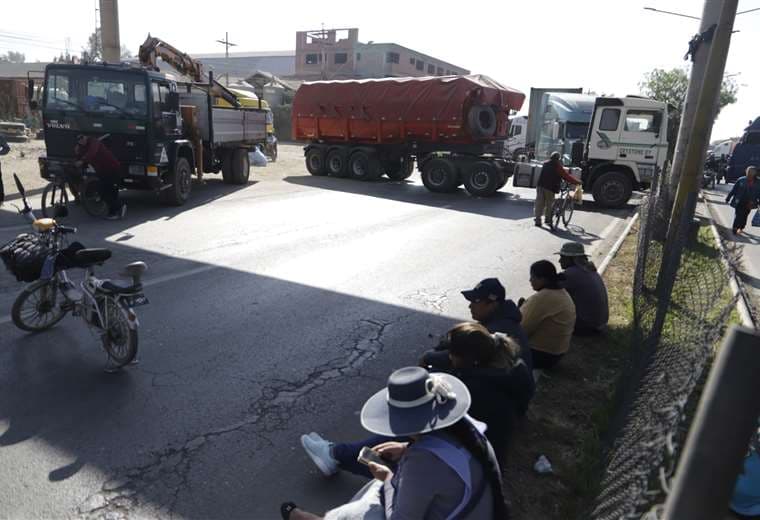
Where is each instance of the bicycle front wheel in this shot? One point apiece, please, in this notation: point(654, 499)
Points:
point(38, 307)
point(119, 340)
point(54, 196)
point(567, 211)
point(557, 208)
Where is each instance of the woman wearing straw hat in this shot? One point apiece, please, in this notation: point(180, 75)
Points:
point(448, 470)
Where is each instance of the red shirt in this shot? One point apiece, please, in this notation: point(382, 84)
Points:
point(96, 154)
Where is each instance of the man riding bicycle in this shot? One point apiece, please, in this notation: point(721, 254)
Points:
point(92, 151)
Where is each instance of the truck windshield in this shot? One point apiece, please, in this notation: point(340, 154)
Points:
point(576, 130)
point(96, 91)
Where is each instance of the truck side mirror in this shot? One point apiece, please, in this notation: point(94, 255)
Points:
point(172, 102)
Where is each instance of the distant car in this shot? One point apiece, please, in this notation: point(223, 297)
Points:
point(13, 131)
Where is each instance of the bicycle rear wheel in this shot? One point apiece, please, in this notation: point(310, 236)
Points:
point(557, 208)
point(568, 206)
point(119, 340)
point(55, 196)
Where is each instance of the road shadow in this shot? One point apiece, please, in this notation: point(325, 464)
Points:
point(233, 367)
point(503, 204)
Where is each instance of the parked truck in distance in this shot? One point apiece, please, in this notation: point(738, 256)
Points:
point(625, 144)
point(161, 130)
point(454, 127)
point(745, 153)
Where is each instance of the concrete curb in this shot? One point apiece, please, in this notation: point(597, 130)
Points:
point(733, 279)
point(617, 245)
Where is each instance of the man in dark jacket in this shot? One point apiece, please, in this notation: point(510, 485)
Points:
point(92, 151)
point(4, 149)
point(552, 174)
point(490, 308)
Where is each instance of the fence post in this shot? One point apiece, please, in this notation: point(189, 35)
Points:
point(720, 434)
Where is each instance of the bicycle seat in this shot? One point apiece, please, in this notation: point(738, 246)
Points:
point(88, 257)
point(135, 270)
point(120, 287)
point(43, 224)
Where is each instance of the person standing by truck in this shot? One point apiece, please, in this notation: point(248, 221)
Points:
point(4, 149)
point(92, 151)
point(552, 174)
point(744, 197)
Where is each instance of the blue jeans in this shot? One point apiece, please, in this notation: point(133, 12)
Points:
point(346, 453)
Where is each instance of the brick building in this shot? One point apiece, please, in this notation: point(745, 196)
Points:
point(338, 54)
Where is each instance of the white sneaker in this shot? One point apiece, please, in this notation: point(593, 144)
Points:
point(318, 449)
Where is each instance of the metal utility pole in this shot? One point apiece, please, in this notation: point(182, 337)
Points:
point(109, 31)
point(227, 45)
point(704, 88)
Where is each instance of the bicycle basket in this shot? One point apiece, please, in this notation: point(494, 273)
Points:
point(24, 257)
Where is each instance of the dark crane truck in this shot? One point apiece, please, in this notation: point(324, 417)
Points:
point(162, 131)
point(453, 126)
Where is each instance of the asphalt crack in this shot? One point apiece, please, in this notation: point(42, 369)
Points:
point(280, 401)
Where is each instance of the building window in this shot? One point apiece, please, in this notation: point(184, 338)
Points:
point(420, 65)
point(439, 71)
point(610, 119)
point(392, 57)
point(341, 57)
point(358, 56)
point(431, 69)
point(411, 61)
point(448, 72)
point(313, 59)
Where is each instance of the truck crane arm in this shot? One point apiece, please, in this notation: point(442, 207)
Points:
point(153, 48)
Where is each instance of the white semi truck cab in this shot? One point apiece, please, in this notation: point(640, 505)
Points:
point(627, 142)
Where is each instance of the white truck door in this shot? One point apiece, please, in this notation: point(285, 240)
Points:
point(641, 137)
point(605, 133)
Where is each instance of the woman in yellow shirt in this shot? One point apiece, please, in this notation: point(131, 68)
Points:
point(548, 317)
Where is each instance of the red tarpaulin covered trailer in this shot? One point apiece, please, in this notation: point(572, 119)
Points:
point(451, 109)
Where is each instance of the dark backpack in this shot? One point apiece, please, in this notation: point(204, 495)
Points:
point(24, 257)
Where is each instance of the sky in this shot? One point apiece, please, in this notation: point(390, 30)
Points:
point(601, 45)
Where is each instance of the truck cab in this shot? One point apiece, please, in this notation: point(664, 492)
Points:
point(745, 153)
point(135, 112)
point(515, 143)
point(626, 143)
point(564, 120)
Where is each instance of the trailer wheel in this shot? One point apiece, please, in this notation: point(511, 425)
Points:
point(181, 180)
point(482, 121)
point(440, 175)
point(336, 163)
point(364, 166)
point(315, 162)
point(482, 179)
point(400, 170)
point(612, 189)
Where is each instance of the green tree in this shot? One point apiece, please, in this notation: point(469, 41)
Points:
point(671, 86)
point(12, 57)
point(94, 49)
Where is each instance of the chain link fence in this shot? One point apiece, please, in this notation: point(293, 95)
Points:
point(673, 343)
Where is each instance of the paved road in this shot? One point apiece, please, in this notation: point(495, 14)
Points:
point(749, 241)
point(276, 308)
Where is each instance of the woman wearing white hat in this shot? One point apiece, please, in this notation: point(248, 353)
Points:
point(447, 471)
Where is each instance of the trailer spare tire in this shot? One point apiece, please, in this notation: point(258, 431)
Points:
point(336, 163)
point(482, 179)
point(400, 169)
point(440, 175)
point(315, 161)
point(364, 166)
point(482, 121)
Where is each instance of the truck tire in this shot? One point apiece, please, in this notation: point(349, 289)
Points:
point(364, 166)
point(315, 162)
point(337, 163)
point(400, 170)
point(181, 183)
point(482, 121)
point(482, 179)
point(241, 166)
point(440, 175)
point(612, 189)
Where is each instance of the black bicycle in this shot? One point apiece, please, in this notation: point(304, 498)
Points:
point(82, 184)
point(563, 206)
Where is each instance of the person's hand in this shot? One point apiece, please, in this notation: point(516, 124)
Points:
point(380, 472)
point(391, 451)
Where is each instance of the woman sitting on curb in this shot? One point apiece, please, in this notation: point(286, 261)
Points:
point(447, 469)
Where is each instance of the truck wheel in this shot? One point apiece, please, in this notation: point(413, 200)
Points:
point(364, 166)
point(181, 180)
point(440, 175)
point(273, 153)
point(612, 189)
point(241, 166)
point(482, 121)
point(482, 179)
point(401, 170)
point(315, 162)
point(336, 163)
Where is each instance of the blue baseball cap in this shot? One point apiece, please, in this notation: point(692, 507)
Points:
point(489, 289)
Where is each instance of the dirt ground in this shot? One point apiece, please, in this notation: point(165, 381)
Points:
point(22, 160)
